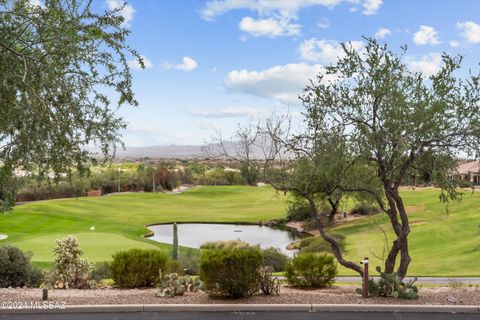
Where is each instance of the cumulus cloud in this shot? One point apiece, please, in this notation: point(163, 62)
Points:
point(426, 35)
point(187, 65)
point(268, 27)
point(135, 64)
point(127, 11)
point(324, 51)
point(283, 83)
point(227, 112)
point(428, 64)
point(470, 31)
point(382, 33)
point(371, 6)
point(275, 16)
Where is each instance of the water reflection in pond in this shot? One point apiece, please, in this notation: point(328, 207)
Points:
point(193, 235)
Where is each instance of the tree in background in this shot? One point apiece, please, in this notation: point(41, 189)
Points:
point(57, 63)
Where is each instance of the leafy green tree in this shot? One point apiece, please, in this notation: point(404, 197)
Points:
point(390, 117)
point(61, 65)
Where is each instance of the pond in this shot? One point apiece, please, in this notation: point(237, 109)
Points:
point(193, 235)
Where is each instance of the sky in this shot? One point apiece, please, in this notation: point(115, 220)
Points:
point(214, 65)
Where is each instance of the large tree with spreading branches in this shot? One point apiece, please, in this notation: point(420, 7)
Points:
point(384, 122)
point(63, 73)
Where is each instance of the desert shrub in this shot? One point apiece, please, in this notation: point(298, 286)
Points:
point(311, 270)
point(274, 258)
point(464, 184)
point(229, 244)
point(71, 270)
point(231, 273)
point(190, 261)
point(16, 269)
point(101, 270)
point(138, 268)
point(268, 284)
point(299, 211)
point(365, 209)
point(391, 285)
point(318, 244)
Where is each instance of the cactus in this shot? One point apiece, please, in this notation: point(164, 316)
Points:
point(172, 285)
point(175, 242)
point(391, 285)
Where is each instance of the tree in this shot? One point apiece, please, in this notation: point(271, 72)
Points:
point(61, 64)
point(392, 117)
point(383, 120)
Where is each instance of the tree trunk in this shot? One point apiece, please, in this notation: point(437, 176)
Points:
point(334, 205)
point(333, 243)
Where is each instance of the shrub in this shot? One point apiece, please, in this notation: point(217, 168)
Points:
point(391, 285)
point(365, 209)
point(311, 270)
point(231, 273)
point(229, 244)
point(71, 270)
point(274, 258)
point(299, 211)
point(190, 261)
point(318, 244)
point(16, 269)
point(138, 268)
point(268, 284)
point(101, 271)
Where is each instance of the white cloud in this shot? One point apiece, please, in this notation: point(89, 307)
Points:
point(426, 35)
point(207, 124)
point(268, 27)
point(127, 11)
point(382, 33)
point(284, 83)
point(135, 64)
point(428, 65)
point(371, 6)
point(454, 43)
point(227, 112)
point(470, 31)
point(187, 65)
point(324, 51)
point(324, 23)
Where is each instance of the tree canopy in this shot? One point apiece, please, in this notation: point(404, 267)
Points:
point(63, 73)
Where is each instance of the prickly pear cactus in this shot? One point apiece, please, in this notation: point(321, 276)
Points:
point(172, 285)
point(391, 285)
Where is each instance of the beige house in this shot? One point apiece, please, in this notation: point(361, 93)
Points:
point(468, 171)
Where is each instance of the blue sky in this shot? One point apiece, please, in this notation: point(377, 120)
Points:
point(212, 65)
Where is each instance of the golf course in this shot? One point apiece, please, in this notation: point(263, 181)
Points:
point(444, 241)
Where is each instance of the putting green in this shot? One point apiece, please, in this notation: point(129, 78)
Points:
point(89, 242)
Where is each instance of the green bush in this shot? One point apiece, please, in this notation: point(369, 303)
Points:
point(311, 270)
point(231, 273)
point(299, 211)
point(274, 258)
point(16, 269)
point(228, 244)
point(101, 271)
point(317, 244)
point(365, 209)
point(138, 268)
point(190, 261)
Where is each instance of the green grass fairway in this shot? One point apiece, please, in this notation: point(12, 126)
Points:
point(119, 219)
point(441, 244)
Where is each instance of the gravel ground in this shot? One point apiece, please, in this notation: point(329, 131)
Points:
point(334, 295)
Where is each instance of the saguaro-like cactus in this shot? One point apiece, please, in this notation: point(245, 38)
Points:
point(175, 242)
